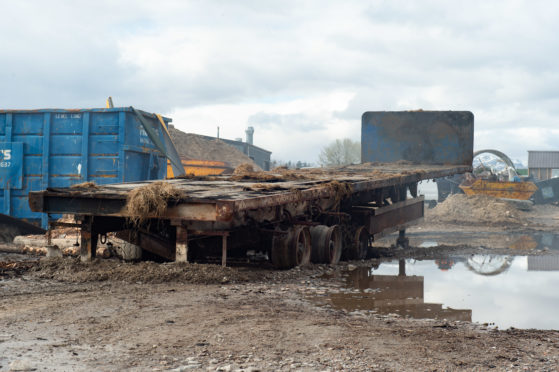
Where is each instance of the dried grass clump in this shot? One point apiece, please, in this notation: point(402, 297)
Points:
point(244, 169)
point(150, 200)
point(85, 185)
point(264, 187)
point(255, 176)
point(341, 190)
point(294, 176)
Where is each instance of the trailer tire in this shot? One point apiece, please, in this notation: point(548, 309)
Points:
point(291, 249)
point(360, 245)
point(326, 244)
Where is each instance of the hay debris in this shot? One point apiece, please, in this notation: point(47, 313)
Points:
point(150, 200)
point(244, 169)
point(341, 190)
point(264, 187)
point(85, 185)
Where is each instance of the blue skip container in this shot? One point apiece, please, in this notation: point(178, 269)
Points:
point(60, 148)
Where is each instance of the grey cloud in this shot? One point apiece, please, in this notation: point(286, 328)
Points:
point(487, 57)
point(298, 122)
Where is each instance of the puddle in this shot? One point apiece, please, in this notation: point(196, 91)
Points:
point(535, 241)
point(509, 291)
point(428, 244)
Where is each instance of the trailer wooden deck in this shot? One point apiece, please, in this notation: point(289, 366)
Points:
point(369, 198)
point(230, 194)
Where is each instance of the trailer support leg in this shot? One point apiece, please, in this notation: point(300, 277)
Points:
point(402, 241)
point(402, 267)
point(88, 245)
point(224, 250)
point(181, 246)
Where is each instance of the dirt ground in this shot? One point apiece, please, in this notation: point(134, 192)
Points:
point(60, 314)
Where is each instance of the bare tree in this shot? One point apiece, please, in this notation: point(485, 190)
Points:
point(340, 152)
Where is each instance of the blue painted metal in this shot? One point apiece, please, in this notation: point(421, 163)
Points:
point(11, 161)
point(422, 137)
point(60, 148)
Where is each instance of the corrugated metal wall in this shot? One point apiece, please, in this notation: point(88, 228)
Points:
point(543, 159)
point(60, 148)
point(542, 163)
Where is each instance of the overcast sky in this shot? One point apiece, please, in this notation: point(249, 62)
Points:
point(300, 72)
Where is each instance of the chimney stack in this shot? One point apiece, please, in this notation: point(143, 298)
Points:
point(250, 133)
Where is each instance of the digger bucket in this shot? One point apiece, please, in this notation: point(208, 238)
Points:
point(423, 137)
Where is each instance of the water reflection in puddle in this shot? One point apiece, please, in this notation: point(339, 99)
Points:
point(520, 241)
point(509, 291)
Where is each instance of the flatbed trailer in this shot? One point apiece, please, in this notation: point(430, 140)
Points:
point(368, 200)
point(287, 216)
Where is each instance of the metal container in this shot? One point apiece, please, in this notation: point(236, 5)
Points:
point(421, 137)
point(60, 148)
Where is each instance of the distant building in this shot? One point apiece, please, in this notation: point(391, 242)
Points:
point(543, 165)
point(199, 147)
point(260, 156)
point(543, 263)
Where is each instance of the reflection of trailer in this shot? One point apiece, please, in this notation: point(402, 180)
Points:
point(390, 294)
point(282, 216)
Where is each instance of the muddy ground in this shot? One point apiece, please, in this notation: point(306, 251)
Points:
point(59, 314)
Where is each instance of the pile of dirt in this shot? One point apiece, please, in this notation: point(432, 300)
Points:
point(478, 209)
point(12, 269)
point(71, 269)
point(196, 147)
point(150, 200)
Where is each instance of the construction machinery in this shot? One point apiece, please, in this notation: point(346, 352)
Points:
point(503, 182)
point(498, 177)
point(201, 168)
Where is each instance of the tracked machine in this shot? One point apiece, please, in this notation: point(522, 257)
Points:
point(286, 217)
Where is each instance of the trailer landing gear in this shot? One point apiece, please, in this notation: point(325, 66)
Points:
point(402, 242)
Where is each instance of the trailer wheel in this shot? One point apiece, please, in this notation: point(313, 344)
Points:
point(326, 244)
point(360, 244)
point(291, 249)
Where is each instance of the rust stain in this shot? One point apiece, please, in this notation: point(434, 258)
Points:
point(524, 242)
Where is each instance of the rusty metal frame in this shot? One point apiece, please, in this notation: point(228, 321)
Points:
point(381, 221)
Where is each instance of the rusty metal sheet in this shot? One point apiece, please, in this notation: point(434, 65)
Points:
point(199, 212)
point(385, 220)
point(423, 137)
